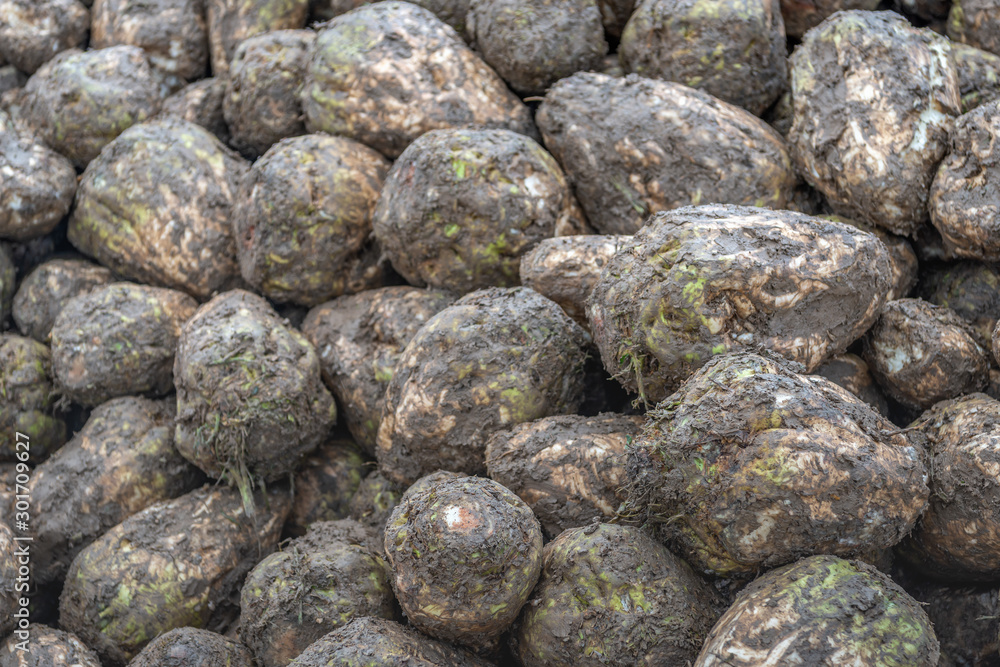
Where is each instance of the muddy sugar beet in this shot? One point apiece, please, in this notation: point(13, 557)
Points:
point(751, 465)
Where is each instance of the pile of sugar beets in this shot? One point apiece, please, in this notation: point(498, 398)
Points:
point(499, 332)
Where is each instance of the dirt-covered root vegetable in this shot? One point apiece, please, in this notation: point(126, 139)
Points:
point(28, 399)
point(568, 469)
point(294, 597)
point(231, 22)
point(465, 554)
point(173, 33)
point(702, 281)
point(958, 537)
point(305, 216)
point(970, 289)
point(156, 207)
point(167, 567)
point(874, 99)
point(978, 75)
point(965, 196)
point(32, 32)
point(493, 359)
point(262, 104)
point(826, 611)
point(193, 647)
point(921, 354)
point(377, 642)
point(325, 483)
point(516, 38)
point(565, 269)
point(359, 339)
point(902, 256)
point(750, 465)
point(118, 340)
point(46, 290)
point(634, 146)
point(78, 102)
point(47, 647)
point(36, 187)
point(801, 15)
point(250, 401)
point(460, 207)
point(386, 73)
point(610, 595)
point(200, 103)
point(733, 50)
point(977, 23)
point(966, 621)
point(852, 373)
point(123, 461)
point(10, 597)
point(374, 501)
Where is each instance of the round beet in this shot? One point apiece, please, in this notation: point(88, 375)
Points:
point(191, 647)
point(200, 103)
point(304, 224)
point(359, 339)
point(173, 34)
point(28, 399)
point(34, 31)
point(493, 359)
point(610, 595)
point(921, 354)
point(46, 291)
point(36, 187)
point(386, 73)
point(48, 647)
point(732, 49)
point(250, 401)
point(822, 611)
point(230, 22)
point(78, 102)
point(325, 483)
point(518, 39)
point(266, 76)
point(970, 289)
point(118, 340)
point(460, 207)
point(874, 99)
point(465, 554)
point(156, 207)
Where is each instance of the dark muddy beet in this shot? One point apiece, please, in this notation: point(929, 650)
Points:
point(374, 501)
point(465, 554)
point(751, 465)
point(118, 340)
point(123, 461)
point(852, 373)
point(958, 537)
point(970, 289)
point(304, 223)
point(36, 186)
point(493, 359)
point(825, 611)
point(32, 31)
point(565, 269)
point(311, 587)
point(801, 15)
point(359, 340)
point(659, 613)
point(568, 469)
point(266, 77)
point(874, 99)
point(702, 281)
point(902, 256)
point(965, 196)
point(376, 642)
point(167, 567)
point(325, 483)
point(78, 102)
point(732, 50)
point(48, 648)
point(230, 22)
point(921, 354)
point(191, 647)
point(28, 399)
point(435, 81)
point(45, 291)
point(250, 401)
point(460, 207)
point(200, 103)
point(633, 146)
point(156, 207)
